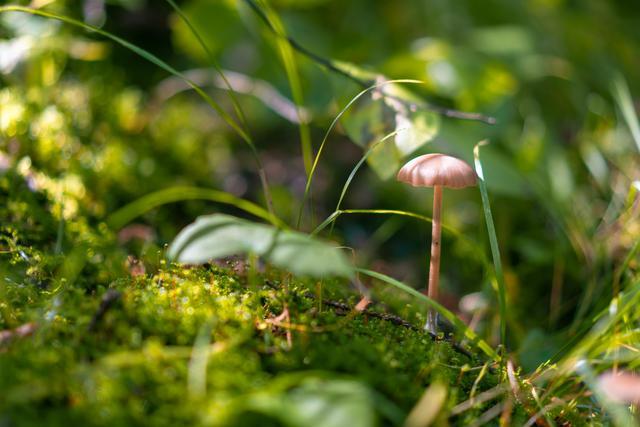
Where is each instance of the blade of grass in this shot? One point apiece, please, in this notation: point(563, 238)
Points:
point(212, 60)
point(598, 339)
point(328, 132)
point(493, 241)
point(357, 167)
point(163, 65)
point(625, 264)
point(606, 320)
point(455, 321)
point(293, 76)
point(197, 374)
point(622, 96)
point(177, 194)
point(331, 218)
point(467, 241)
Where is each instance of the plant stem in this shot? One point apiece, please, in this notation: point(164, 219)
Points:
point(434, 263)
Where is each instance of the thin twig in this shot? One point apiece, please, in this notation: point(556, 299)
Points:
point(344, 309)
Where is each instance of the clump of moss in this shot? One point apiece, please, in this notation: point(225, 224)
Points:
point(125, 354)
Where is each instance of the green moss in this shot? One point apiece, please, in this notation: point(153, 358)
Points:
point(132, 365)
point(114, 348)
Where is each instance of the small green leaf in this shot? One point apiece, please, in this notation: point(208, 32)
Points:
point(415, 129)
point(218, 235)
point(332, 403)
point(384, 159)
point(376, 116)
point(318, 402)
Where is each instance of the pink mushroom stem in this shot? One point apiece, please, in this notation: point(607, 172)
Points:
point(434, 262)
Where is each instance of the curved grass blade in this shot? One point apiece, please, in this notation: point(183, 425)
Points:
point(212, 59)
point(471, 244)
point(328, 132)
point(177, 194)
point(293, 76)
point(617, 311)
point(455, 321)
point(493, 241)
point(623, 98)
point(334, 216)
point(358, 165)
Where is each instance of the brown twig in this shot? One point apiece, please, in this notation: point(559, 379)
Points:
point(344, 309)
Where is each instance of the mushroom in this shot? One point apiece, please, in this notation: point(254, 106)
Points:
point(437, 171)
point(622, 387)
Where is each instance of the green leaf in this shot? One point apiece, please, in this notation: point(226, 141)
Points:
point(320, 402)
point(375, 116)
point(331, 403)
point(625, 103)
point(415, 129)
point(384, 159)
point(218, 235)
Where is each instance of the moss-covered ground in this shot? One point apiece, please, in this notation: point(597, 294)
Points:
point(91, 336)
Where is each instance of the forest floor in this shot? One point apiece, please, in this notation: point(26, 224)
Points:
point(90, 335)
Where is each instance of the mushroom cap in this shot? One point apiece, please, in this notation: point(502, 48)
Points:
point(434, 169)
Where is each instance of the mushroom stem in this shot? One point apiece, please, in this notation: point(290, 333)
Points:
point(434, 263)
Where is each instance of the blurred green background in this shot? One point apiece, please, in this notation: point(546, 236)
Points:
point(96, 126)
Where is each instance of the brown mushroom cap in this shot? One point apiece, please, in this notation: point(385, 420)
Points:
point(434, 169)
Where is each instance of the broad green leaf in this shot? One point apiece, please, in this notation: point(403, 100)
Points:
point(385, 159)
point(320, 403)
point(414, 130)
point(366, 120)
point(376, 116)
point(218, 235)
point(332, 403)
